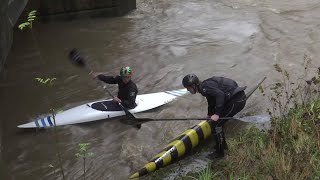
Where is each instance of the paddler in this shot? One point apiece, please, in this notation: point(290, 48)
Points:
point(128, 90)
point(225, 99)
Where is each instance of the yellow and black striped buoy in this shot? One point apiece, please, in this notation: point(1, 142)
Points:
point(178, 147)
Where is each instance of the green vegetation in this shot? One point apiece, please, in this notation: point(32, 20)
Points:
point(290, 149)
point(45, 81)
point(83, 147)
point(31, 17)
point(84, 153)
point(53, 112)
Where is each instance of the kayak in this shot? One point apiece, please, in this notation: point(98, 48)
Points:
point(105, 109)
point(178, 147)
point(182, 144)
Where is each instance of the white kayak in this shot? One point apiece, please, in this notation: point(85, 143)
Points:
point(100, 110)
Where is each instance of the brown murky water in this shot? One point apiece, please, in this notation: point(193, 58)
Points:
point(162, 41)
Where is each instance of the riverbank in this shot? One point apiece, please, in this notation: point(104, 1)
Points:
point(290, 149)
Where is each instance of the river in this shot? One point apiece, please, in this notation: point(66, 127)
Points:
point(162, 41)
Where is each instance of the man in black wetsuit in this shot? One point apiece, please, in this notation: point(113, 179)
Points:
point(225, 99)
point(127, 88)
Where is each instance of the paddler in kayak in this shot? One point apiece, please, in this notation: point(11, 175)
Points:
point(127, 88)
point(225, 99)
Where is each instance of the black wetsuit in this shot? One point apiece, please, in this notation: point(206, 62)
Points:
point(225, 98)
point(127, 92)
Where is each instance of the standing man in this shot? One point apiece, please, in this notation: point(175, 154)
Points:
point(225, 99)
point(127, 88)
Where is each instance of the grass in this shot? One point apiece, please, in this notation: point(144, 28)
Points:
point(290, 149)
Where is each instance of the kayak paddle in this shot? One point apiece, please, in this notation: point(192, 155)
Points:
point(250, 119)
point(255, 88)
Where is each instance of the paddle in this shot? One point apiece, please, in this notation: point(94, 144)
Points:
point(250, 119)
point(255, 88)
point(79, 61)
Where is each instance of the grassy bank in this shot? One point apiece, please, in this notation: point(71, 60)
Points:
point(290, 150)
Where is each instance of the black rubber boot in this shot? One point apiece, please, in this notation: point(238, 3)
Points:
point(220, 146)
point(220, 139)
point(215, 155)
point(224, 142)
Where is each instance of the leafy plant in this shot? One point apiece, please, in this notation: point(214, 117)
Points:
point(290, 93)
point(29, 23)
point(49, 81)
point(45, 81)
point(83, 147)
point(84, 153)
point(53, 112)
point(31, 17)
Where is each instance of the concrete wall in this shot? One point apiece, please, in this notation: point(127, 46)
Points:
point(66, 9)
point(10, 11)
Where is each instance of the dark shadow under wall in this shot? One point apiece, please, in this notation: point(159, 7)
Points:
point(10, 11)
point(53, 10)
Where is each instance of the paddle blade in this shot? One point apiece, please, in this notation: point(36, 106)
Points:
point(263, 118)
point(135, 122)
point(76, 58)
point(131, 122)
